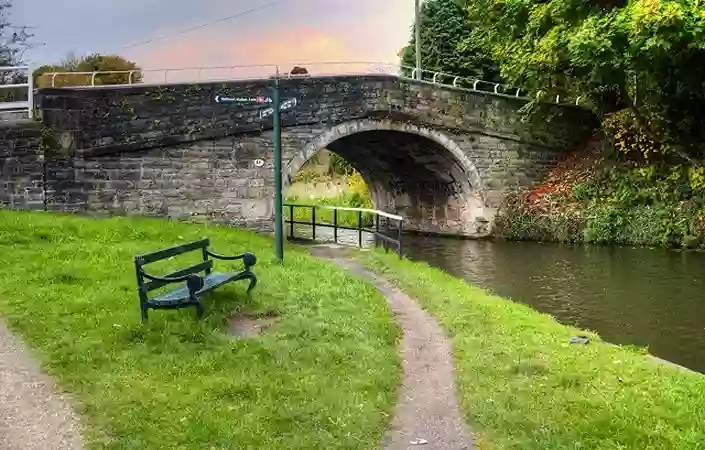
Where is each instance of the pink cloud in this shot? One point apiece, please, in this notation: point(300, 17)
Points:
point(373, 39)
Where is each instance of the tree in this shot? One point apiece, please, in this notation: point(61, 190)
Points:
point(450, 43)
point(128, 71)
point(638, 62)
point(14, 41)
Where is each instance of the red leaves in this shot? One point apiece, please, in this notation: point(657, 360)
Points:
point(578, 167)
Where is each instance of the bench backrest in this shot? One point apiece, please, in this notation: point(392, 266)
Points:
point(141, 260)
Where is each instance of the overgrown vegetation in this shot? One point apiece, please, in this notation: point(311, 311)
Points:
point(357, 195)
point(523, 386)
point(451, 43)
point(622, 202)
point(14, 42)
point(325, 168)
point(324, 376)
point(129, 72)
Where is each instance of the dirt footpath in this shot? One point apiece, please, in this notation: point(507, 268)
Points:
point(32, 415)
point(427, 415)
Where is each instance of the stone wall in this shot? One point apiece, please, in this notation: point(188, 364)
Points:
point(218, 180)
point(21, 165)
point(209, 180)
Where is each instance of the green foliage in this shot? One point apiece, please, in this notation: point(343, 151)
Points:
point(323, 377)
point(356, 196)
point(523, 386)
point(306, 176)
point(91, 63)
point(340, 166)
point(520, 222)
point(325, 216)
point(14, 41)
point(629, 138)
point(657, 205)
point(450, 43)
point(645, 55)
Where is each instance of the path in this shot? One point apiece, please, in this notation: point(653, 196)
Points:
point(428, 407)
point(32, 415)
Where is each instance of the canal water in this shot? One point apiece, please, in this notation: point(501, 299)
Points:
point(651, 298)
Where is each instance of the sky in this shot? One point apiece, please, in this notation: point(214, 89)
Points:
point(288, 33)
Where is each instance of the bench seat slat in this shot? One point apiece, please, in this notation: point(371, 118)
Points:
point(171, 251)
point(196, 268)
point(180, 295)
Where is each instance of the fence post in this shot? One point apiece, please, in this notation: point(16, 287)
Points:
point(30, 92)
point(291, 221)
point(399, 246)
point(313, 223)
point(359, 229)
point(335, 226)
point(376, 229)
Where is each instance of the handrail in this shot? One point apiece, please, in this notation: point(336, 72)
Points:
point(379, 236)
point(346, 208)
point(20, 105)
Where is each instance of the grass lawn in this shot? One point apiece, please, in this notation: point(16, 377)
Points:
point(323, 377)
point(346, 218)
point(523, 386)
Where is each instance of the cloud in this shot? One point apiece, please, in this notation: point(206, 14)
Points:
point(289, 47)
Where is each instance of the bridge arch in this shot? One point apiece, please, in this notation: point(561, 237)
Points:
point(411, 170)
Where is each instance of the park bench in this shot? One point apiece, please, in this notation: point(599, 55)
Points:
point(195, 284)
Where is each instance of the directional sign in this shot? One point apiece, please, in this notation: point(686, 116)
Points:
point(285, 105)
point(263, 113)
point(243, 100)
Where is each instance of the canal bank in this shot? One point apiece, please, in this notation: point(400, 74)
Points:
point(523, 384)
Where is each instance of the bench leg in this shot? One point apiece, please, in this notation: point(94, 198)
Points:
point(144, 309)
point(199, 310)
point(253, 283)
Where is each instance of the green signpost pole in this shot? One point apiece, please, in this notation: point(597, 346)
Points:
point(278, 202)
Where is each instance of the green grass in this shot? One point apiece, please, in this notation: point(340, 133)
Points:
point(347, 218)
point(523, 386)
point(323, 377)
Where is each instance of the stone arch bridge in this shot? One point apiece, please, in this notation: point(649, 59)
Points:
point(443, 157)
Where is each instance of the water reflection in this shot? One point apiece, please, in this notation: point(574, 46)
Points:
point(633, 296)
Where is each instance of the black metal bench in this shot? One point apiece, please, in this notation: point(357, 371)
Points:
point(195, 284)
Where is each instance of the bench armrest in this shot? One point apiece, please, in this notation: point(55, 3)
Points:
point(194, 283)
point(248, 258)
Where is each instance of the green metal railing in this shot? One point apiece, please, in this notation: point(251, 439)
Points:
point(387, 240)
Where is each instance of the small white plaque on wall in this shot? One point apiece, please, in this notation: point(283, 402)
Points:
point(259, 162)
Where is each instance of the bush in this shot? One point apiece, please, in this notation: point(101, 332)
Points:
point(517, 221)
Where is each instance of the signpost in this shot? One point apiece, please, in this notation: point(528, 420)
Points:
point(275, 112)
point(278, 201)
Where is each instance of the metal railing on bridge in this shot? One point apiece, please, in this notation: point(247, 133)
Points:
point(260, 71)
point(17, 96)
point(363, 226)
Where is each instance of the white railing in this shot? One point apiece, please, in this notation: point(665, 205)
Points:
point(214, 73)
point(18, 105)
point(317, 69)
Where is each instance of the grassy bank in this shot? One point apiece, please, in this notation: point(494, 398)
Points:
point(347, 218)
point(357, 195)
point(323, 377)
point(523, 386)
point(613, 201)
